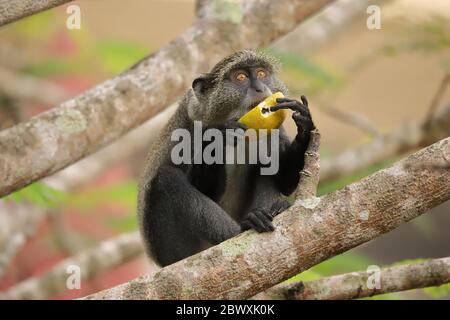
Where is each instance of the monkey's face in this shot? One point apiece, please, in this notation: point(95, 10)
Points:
point(234, 86)
point(252, 85)
point(237, 92)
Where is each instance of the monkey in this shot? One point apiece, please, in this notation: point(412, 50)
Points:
point(186, 208)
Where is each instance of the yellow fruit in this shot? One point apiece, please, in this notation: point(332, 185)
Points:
point(257, 119)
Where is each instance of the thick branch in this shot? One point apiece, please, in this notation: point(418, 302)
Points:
point(12, 10)
point(356, 285)
point(104, 256)
point(304, 236)
point(63, 135)
point(119, 151)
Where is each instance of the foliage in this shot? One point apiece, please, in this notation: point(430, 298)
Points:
point(116, 56)
point(38, 194)
point(302, 74)
point(123, 193)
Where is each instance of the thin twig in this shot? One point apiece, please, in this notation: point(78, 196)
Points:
point(436, 100)
point(357, 120)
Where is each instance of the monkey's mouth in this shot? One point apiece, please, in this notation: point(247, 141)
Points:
point(255, 103)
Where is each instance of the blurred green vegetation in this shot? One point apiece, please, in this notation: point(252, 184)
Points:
point(304, 75)
point(38, 194)
point(84, 54)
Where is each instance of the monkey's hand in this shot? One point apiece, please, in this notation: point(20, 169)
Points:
point(301, 116)
point(260, 219)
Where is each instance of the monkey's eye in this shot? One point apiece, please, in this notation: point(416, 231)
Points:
point(241, 77)
point(261, 74)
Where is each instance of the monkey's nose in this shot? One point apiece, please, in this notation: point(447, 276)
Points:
point(259, 96)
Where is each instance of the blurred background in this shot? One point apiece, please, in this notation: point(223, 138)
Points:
point(387, 77)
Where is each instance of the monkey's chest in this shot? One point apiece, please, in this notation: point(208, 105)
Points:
point(236, 196)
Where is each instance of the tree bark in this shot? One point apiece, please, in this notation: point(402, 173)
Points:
point(306, 234)
point(356, 285)
point(12, 10)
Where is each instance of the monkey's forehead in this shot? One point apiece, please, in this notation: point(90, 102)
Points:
point(245, 59)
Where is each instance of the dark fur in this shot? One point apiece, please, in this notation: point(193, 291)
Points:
point(184, 209)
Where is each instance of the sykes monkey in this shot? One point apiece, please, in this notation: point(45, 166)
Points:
point(185, 208)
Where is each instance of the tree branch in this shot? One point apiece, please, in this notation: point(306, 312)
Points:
point(138, 139)
point(304, 236)
point(354, 285)
point(326, 25)
point(104, 256)
point(26, 87)
point(309, 180)
point(406, 138)
point(56, 138)
point(12, 10)
point(352, 118)
point(436, 100)
point(18, 222)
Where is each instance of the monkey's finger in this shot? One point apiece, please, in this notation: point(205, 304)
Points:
point(255, 226)
point(279, 207)
point(251, 222)
point(280, 100)
point(257, 220)
point(304, 101)
point(245, 225)
point(265, 219)
point(258, 225)
point(267, 214)
point(301, 119)
point(285, 105)
point(293, 105)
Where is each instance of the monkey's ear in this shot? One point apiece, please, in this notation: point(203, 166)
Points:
point(200, 85)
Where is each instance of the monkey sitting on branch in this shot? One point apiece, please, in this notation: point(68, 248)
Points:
point(184, 208)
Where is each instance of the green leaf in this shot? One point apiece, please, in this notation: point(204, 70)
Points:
point(39, 194)
point(38, 26)
point(48, 68)
point(438, 292)
point(124, 193)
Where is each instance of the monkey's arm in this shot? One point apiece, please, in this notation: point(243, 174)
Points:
point(177, 202)
point(292, 154)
